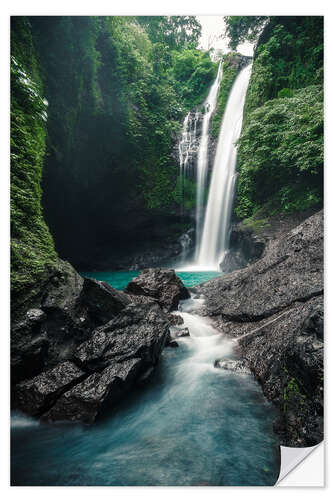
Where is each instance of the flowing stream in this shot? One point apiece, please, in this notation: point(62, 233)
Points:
point(215, 235)
point(192, 424)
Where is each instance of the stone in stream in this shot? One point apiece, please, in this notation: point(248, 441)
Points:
point(274, 308)
point(160, 284)
point(100, 390)
point(178, 333)
point(103, 302)
point(139, 331)
point(175, 319)
point(232, 365)
point(36, 395)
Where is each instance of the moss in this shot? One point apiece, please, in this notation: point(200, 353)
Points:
point(229, 74)
point(256, 224)
point(32, 248)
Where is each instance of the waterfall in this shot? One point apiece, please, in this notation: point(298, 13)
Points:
point(202, 165)
point(187, 147)
point(215, 235)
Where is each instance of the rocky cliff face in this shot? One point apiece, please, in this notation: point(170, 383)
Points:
point(274, 309)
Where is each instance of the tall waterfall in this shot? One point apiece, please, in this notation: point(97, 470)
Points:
point(215, 235)
point(202, 165)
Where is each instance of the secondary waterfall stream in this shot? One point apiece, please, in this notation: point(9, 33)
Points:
point(214, 242)
point(191, 424)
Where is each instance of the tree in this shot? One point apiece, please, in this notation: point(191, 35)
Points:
point(243, 28)
point(177, 32)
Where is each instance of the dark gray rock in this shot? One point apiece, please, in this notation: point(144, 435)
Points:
point(232, 261)
point(139, 331)
point(178, 333)
point(175, 319)
point(274, 308)
point(35, 315)
point(291, 271)
point(160, 284)
point(237, 366)
point(37, 395)
point(172, 343)
point(102, 301)
point(115, 356)
point(86, 400)
point(59, 318)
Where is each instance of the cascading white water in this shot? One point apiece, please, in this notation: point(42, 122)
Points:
point(214, 241)
point(187, 146)
point(202, 165)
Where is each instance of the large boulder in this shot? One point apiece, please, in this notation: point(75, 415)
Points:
point(291, 271)
point(100, 390)
point(102, 369)
point(59, 318)
point(103, 302)
point(139, 331)
point(161, 284)
point(38, 394)
point(274, 309)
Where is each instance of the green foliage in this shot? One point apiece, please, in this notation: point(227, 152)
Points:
point(229, 74)
point(192, 72)
point(281, 154)
point(289, 55)
point(31, 243)
point(184, 193)
point(285, 93)
point(176, 32)
point(256, 224)
point(243, 28)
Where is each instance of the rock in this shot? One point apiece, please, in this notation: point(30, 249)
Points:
point(37, 395)
point(160, 284)
point(106, 365)
point(290, 271)
point(102, 301)
point(172, 343)
point(35, 315)
point(179, 332)
point(232, 261)
point(175, 319)
point(88, 399)
point(274, 308)
point(141, 299)
point(314, 323)
point(59, 318)
point(139, 331)
point(238, 366)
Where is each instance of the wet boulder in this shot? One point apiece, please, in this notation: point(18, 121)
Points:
point(103, 302)
point(178, 333)
point(38, 394)
point(86, 400)
point(237, 366)
point(160, 284)
point(59, 318)
point(139, 331)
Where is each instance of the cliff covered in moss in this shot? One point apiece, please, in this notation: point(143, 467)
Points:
point(97, 105)
point(280, 158)
point(32, 249)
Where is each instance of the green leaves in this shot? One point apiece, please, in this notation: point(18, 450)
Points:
point(281, 153)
